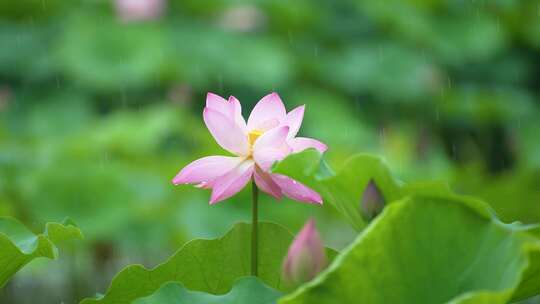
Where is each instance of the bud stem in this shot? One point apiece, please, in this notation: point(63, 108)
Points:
point(254, 229)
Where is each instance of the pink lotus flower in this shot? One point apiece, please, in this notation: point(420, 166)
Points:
point(139, 10)
point(306, 256)
point(268, 136)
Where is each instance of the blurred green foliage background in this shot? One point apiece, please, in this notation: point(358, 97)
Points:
point(101, 102)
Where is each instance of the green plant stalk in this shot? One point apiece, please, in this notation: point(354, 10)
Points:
point(254, 229)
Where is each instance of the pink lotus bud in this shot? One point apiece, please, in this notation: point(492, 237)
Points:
point(306, 256)
point(372, 202)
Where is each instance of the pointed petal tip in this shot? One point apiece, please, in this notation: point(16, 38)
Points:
point(299, 144)
point(214, 199)
point(212, 94)
point(270, 107)
point(316, 200)
point(178, 179)
point(210, 97)
point(312, 197)
point(271, 95)
point(276, 97)
point(296, 190)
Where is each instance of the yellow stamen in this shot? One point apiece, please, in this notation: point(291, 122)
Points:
point(253, 135)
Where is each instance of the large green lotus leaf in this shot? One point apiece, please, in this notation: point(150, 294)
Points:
point(19, 246)
point(431, 249)
point(247, 290)
point(513, 195)
point(210, 266)
point(387, 70)
point(196, 58)
point(444, 35)
point(94, 62)
point(303, 166)
point(343, 189)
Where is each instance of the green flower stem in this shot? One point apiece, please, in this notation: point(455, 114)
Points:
point(254, 229)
